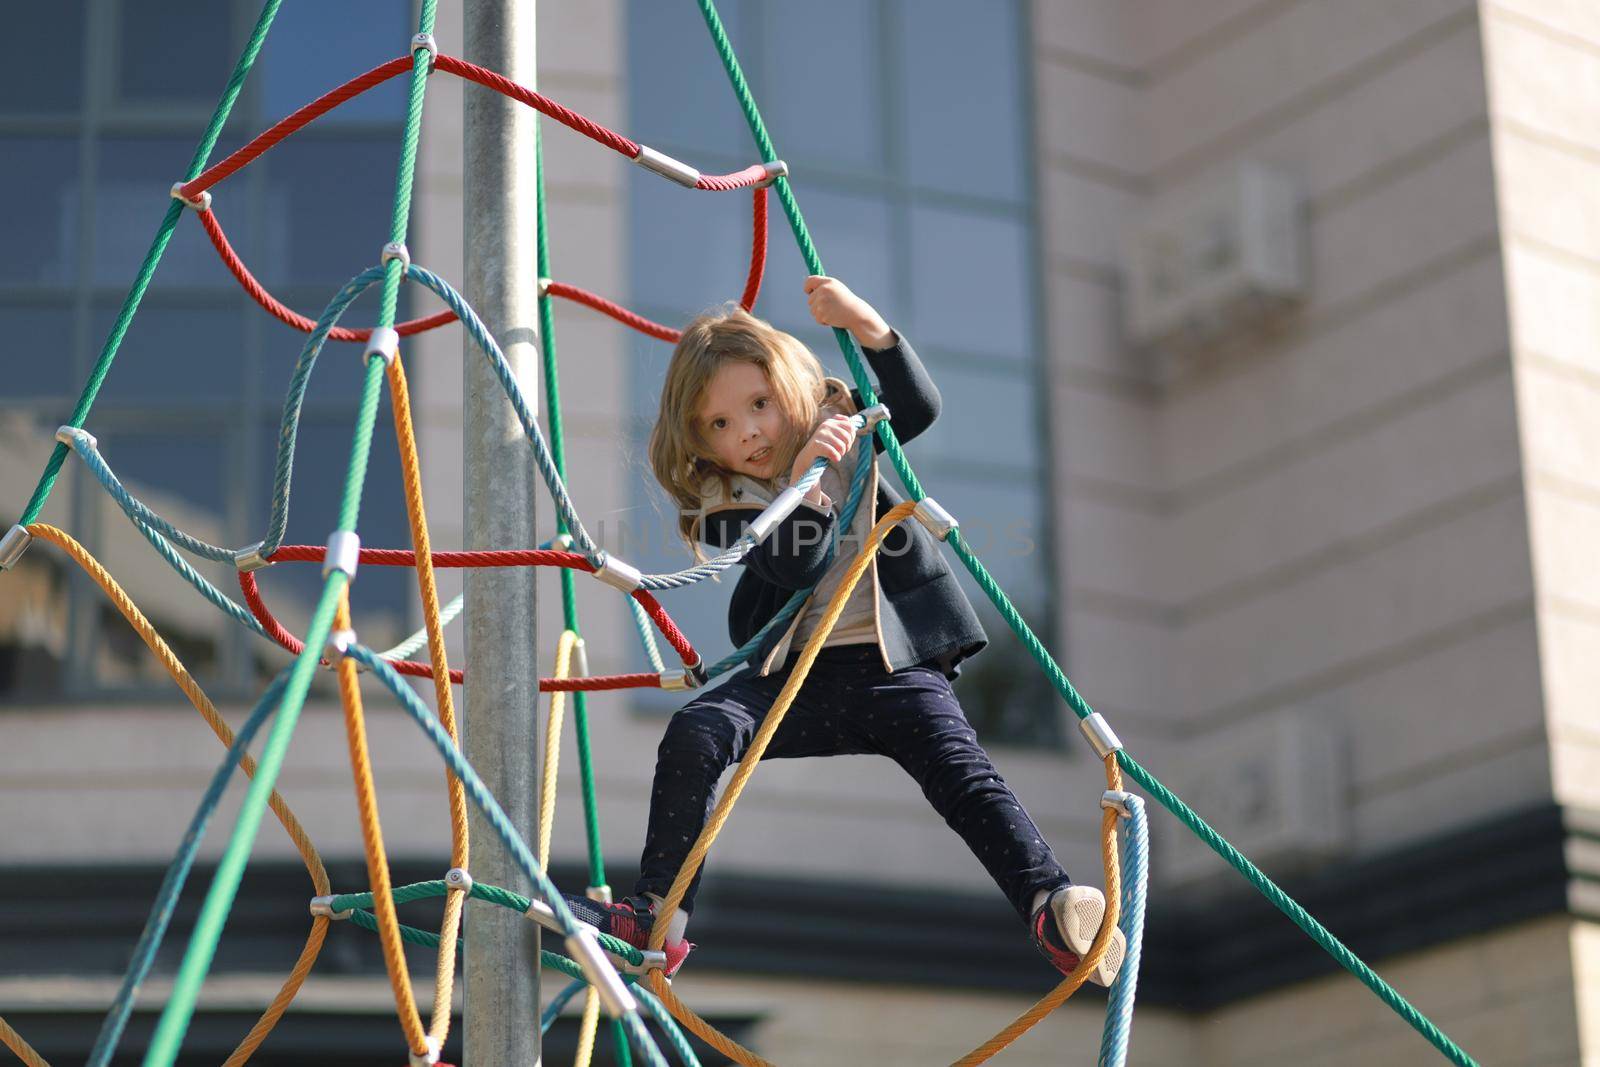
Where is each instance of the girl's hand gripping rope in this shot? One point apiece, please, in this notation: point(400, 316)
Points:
point(833, 304)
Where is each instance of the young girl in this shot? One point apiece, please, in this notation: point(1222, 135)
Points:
point(745, 411)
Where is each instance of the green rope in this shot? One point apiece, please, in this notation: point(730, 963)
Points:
point(152, 257)
point(492, 894)
point(1301, 918)
point(569, 592)
point(179, 1010)
point(569, 589)
point(202, 948)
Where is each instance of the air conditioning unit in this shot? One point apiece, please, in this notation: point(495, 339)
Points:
point(1274, 786)
point(1207, 263)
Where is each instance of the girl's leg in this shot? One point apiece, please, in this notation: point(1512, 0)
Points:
point(711, 733)
point(912, 716)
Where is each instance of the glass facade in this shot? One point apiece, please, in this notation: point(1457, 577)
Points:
point(99, 115)
point(917, 187)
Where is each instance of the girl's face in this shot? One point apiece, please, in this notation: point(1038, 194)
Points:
point(740, 420)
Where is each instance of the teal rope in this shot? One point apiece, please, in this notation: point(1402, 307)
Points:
point(1135, 876)
point(1058, 678)
point(152, 257)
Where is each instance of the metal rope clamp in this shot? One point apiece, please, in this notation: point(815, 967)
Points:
point(201, 203)
point(870, 417)
point(669, 168)
point(578, 666)
point(396, 250)
point(457, 880)
point(1117, 800)
point(1102, 738)
point(342, 554)
point(775, 170)
point(428, 1058)
point(338, 647)
point(13, 545)
point(653, 961)
point(617, 573)
point(936, 519)
point(584, 949)
point(72, 436)
point(424, 42)
point(601, 893)
point(323, 906)
point(385, 343)
point(250, 558)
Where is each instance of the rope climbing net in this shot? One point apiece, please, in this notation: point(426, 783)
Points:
point(625, 983)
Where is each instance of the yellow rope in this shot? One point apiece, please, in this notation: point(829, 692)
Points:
point(191, 689)
point(13, 1041)
point(697, 854)
point(394, 959)
point(1097, 950)
point(586, 1032)
point(411, 470)
point(552, 747)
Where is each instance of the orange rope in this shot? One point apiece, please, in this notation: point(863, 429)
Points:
point(410, 467)
point(552, 747)
point(394, 959)
point(25, 1052)
point(208, 711)
point(747, 766)
point(1097, 950)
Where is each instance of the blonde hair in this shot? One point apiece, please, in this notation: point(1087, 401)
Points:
point(678, 449)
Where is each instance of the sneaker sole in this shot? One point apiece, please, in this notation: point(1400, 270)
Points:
point(1079, 910)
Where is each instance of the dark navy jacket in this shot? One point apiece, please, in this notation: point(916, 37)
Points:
point(923, 615)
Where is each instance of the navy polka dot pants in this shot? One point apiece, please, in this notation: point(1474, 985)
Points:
point(847, 706)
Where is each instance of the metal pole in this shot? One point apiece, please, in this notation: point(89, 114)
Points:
point(501, 986)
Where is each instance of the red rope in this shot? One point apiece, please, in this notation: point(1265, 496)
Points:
point(617, 311)
point(521, 557)
point(285, 126)
point(325, 103)
point(758, 249)
point(278, 310)
point(539, 102)
point(754, 174)
point(294, 646)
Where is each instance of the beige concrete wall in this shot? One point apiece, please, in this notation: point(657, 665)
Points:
point(1327, 521)
point(1544, 79)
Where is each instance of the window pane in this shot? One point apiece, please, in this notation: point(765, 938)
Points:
point(962, 95)
point(42, 242)
point(322, 458)
point(833, 121)
point(174, 53)
point(336, 379)
point(853, 234)
point(680, 95)
point(327, 208)
point(174, 354)
point(133, 186)
point(691, 249)
point(314, 47)
point(181, 472)
point(39, 349)
point(970, 285)
point(46, 77)
point(988, 418)
point(1003, 522)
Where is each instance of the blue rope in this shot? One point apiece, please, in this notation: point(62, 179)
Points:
point(83, 444)
point(1135, 874)
point(155, 927)
point(486, 803)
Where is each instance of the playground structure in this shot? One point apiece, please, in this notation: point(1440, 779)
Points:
point(330, 632)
